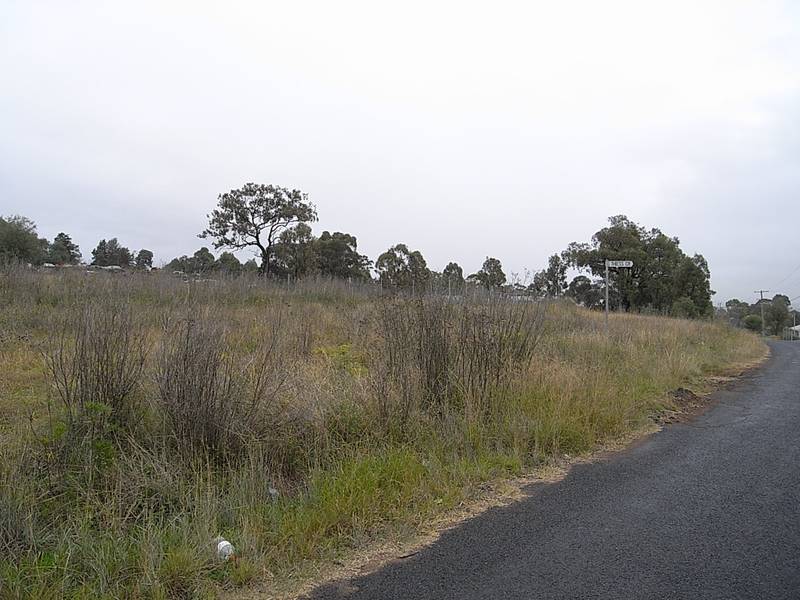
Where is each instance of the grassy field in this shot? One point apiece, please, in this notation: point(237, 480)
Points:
point(141, 416)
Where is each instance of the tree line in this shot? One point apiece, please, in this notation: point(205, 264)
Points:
point(20, 242)
point(275, 223)
point(770, 315)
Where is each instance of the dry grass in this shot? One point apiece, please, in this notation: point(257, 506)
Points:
point(143, 416)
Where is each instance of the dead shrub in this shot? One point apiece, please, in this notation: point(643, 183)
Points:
point(495, 337)
point(450, 353)
point(216, 398)
point(95, 359)
point(395, 374)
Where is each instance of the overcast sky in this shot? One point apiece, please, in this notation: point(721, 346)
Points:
point(461, 129)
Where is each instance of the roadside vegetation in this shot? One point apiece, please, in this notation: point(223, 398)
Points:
point(143, 415)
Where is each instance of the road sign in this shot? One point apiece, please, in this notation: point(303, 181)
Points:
point(619, 263)
point(615, 264)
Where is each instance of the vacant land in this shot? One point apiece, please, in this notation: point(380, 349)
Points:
point(142, 416)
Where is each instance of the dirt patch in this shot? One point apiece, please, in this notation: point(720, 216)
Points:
point(685, 405)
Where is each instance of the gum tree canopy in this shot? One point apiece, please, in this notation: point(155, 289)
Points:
point(254, 216)
point(490, 275)
point(20, 242)
point(663, 278)
point(402, 268)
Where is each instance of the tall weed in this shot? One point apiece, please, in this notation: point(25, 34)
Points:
point(217, 399)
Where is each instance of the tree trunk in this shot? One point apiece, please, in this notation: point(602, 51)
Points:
point(264, 268)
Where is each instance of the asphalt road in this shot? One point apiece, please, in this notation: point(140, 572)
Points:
point(708, 509)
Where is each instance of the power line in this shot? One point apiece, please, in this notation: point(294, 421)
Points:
point(792, 272)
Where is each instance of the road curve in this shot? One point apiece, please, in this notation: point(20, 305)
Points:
point(708, 509)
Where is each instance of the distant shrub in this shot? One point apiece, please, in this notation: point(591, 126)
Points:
point(753, 322)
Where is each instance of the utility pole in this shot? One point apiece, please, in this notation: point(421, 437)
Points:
point(761, 303)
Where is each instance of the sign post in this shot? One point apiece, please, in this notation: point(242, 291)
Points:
point(606, 304)
point(614, 264)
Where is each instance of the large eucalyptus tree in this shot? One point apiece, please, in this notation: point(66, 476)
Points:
point(254, 216)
